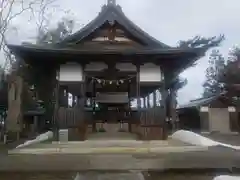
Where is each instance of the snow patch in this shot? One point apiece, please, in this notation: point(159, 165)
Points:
point(226, 177)
point(40, 138)
point(196, 139)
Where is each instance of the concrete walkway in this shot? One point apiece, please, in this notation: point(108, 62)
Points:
point(112, 136)
point(108, 147)
point(110, 176)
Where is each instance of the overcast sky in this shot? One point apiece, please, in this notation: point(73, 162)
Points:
point(168, 21)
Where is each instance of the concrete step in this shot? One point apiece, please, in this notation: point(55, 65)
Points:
point(110, 143)
point(109, 150)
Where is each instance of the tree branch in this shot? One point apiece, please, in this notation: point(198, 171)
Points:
point(7, 14)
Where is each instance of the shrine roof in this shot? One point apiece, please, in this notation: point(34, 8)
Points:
point(112, 13)
point(75, 45)
point(177, 59)
point(86, 50)
point(201, 101)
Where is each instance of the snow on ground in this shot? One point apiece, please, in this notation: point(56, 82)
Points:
point(40, 138)
point(226, 177)
point(196, 139)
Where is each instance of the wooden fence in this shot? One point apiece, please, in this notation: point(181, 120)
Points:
point(152, 123)
point(70, 117)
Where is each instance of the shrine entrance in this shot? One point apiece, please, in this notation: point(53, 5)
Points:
point(112, 131)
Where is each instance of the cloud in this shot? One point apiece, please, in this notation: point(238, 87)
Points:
point(168, 21)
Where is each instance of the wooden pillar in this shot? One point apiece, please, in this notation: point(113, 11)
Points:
point(138, 93)
point(63, 96)
point(148, 101)
point(139, 111)
point(56, 107)
point(164, 94)
point(144, 102)
point(94, 128)
point(154, 99)
point(145, 109)
point(129, 108)
point(35, 124)
point(138, 88)
point(82, 125)
point(66, 97)
point(155, 117)
point(172, 110)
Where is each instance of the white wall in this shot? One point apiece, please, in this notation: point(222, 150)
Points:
point(150, 73)
point(219, 120)
point(72, 72)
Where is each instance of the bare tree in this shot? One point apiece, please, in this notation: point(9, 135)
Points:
point(11, 9)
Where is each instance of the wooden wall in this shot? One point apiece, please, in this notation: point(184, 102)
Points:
point(151, 125)
point(70, 117)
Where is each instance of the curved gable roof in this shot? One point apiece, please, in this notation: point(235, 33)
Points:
point(111, 13)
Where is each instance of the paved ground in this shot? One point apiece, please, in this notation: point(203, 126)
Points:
point(119, 166)
point(215, 157)
point(112, 135)
point(233, 139)
point(108, 146)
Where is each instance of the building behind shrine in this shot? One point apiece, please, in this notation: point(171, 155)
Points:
point(105, 65)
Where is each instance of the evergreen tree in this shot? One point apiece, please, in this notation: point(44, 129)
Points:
point(63, 29)
point(231, 76)
point(196, 42)
point(212, 84)
point(202, 42)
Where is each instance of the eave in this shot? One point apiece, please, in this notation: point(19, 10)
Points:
point(174, 60)
point(18, 49)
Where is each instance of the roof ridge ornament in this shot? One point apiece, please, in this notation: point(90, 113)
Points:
point(111, 2)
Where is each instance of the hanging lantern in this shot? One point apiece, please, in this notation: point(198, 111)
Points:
point(110, 82)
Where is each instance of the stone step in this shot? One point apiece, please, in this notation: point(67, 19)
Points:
point(111, 143)
point(108, 143)
point(110, 150)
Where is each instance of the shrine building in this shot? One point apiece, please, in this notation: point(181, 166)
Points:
point(105, 66)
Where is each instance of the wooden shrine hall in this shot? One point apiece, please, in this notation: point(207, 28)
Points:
point(106, 66)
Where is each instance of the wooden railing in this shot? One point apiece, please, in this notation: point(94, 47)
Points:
point(151, 125)
point(70, 117)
